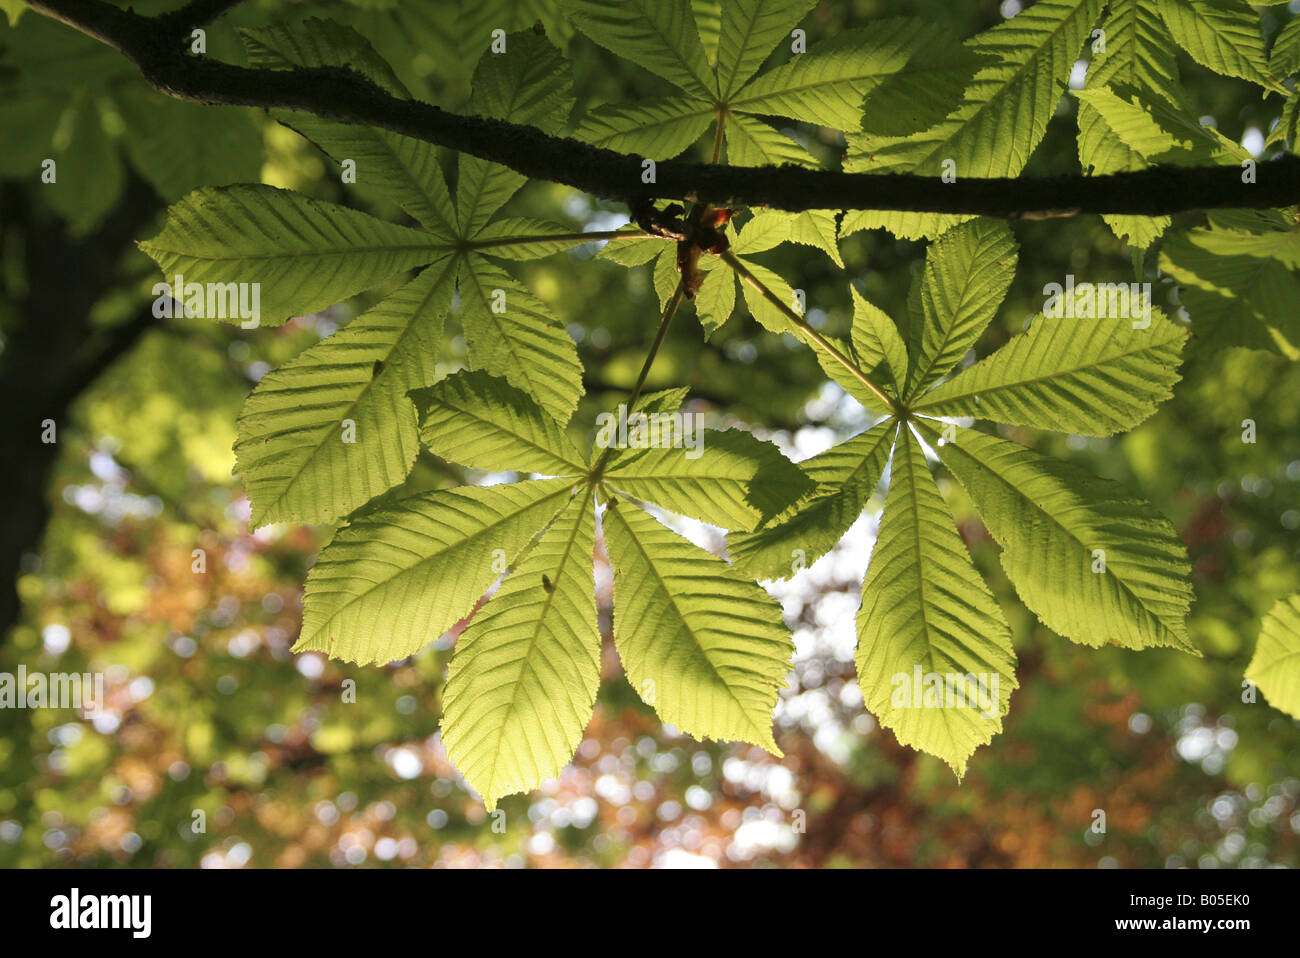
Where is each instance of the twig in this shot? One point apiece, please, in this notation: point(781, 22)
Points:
point(348, 97)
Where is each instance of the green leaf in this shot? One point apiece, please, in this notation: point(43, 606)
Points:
point(730, 479)
point(926, 610)
point(1134, 131)
point(751, 142)
point(967, 274)
point(1275, 666)
point(750, 31)
point(1090, 376)
point(1282, 245)
point(511, 333)
point(876, 339)
point(397, 578)
point(89, 165)
point(483, 422)
point(170, 142)
point(764, 312)
point(1284, 55)
point(634, 252)
point(708, 18)
point(400, 168)
point(13, 10)
point(666, 277)
point(666, 400)
point(701, 645)
point(1234, 299)
point(842, 377)
point(318, 42)
point(523, 678)
point(1140, 53)
point(1288, 125)
point(845, 475)
point(1030, 58)
point(524, 238)
point(827, 84)
point(656, 128)
point(1056, 525)
point(716, 299)
point(1134, 115)
point(925, 89)
point(529, 84)
point(659, 35)
point(304, 254)
point(30, 119)
point(769, 228)
point(1118, 135)
point(1221, 35)
point(294, 454)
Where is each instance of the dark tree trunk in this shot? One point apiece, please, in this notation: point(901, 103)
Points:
point(52, 353)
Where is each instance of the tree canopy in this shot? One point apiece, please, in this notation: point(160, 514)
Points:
point(720, 431)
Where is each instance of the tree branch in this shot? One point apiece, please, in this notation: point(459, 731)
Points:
point(154, 46)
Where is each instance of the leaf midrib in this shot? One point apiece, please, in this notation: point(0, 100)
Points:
point(929, 403)
point(537, 630)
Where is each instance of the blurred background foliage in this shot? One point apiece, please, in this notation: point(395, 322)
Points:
point(295, 760)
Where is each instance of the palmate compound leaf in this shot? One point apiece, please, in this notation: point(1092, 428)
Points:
point(824, 85)
point(701, 644)
point(1275, 666)
point(1094, 564)
point(934, 657)
point(716, 299)
point(299, 255)
point(1090, 376)
point(333, 428)
point(524, 675)
point(845, 476)
point(524, 672)
point(1029, 61)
